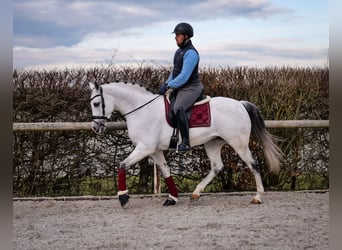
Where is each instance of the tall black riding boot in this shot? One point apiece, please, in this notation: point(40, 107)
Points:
point(183, 125)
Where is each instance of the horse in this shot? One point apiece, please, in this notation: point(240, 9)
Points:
point(232, 122)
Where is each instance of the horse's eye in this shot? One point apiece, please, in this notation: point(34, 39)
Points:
point(96, 104)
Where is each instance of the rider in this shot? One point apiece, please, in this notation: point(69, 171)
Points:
point(184, 80)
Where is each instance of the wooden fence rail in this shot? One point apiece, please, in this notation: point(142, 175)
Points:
point(74, 126)
point(59, 126)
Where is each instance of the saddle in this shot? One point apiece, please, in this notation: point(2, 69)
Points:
point(199, 115)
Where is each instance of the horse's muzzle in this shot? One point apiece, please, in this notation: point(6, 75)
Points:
point(98, 127)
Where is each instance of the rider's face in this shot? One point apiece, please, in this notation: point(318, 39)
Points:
point(179, 38)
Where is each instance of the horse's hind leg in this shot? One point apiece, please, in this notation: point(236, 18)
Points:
point(246, 155)
point(213, 150)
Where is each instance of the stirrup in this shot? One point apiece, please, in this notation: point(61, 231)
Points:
point(174, 140)
point(183, 147)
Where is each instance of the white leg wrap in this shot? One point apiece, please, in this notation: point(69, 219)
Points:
point(123, 192)
point(173, 198)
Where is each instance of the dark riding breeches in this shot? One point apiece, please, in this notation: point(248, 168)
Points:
point(186, 97)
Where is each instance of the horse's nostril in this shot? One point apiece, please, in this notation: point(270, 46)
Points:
point(98, 129)
point(95, 129)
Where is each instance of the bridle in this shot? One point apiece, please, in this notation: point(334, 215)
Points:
point(104, 117)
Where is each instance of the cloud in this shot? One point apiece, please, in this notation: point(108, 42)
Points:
point(66, 22)
point(79, 56)
point(237, 8)
point(238, 53)
point(228, 32)
point(263, 54)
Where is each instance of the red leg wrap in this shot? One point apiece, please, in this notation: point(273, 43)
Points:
point(171, 186)
point(122, 179)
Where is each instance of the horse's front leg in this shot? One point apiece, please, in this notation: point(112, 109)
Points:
point(140, 152)
point(159, 159)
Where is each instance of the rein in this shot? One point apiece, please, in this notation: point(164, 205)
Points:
point(130, 112)
point(103, 106)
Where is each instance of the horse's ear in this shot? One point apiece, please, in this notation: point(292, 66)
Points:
point(97, 86)
point(93, 85)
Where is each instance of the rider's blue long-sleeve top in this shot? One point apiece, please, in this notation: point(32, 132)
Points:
point(191, 59)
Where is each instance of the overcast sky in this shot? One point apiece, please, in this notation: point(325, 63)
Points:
point(256, 33)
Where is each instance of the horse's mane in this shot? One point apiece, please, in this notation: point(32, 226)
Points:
point(138, 86)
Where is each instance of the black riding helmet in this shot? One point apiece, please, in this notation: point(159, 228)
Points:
point(184, 28)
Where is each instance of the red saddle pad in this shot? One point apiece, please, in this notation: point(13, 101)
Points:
point(200, 115)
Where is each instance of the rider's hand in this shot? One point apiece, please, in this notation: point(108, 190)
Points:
point(162, 89)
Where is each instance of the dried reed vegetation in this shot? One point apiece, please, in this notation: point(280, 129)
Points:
point(78, 163)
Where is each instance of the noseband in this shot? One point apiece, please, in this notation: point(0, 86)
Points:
point(93, 117)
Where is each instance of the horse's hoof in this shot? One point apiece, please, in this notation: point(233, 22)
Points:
point(256, 201)
point(169, 202)
point(124, 198)
point(195, 197)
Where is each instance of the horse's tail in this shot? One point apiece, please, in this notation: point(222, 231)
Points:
point(272, 152)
